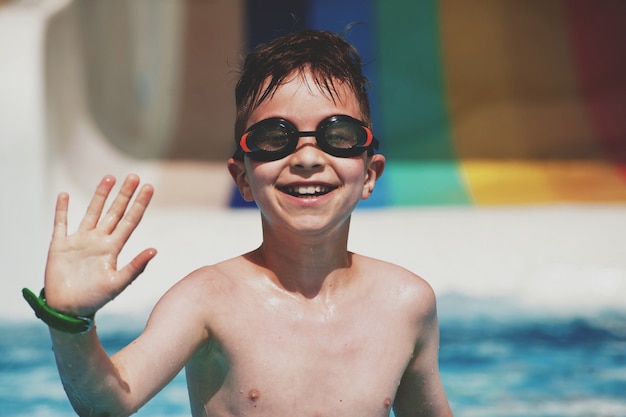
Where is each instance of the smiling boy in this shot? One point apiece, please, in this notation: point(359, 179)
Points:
point(298, 327)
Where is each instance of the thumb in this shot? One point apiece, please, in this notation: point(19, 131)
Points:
point(135, 267)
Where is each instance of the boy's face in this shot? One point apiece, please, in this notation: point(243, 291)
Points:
point(309, 188)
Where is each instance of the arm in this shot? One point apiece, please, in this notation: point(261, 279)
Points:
point(118, 386)
point(421, 392)
point(81, 277)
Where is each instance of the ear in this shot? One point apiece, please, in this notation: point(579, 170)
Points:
point(375, 168)
point(238, 171)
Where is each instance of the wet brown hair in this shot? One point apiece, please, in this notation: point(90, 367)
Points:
point(328, 56)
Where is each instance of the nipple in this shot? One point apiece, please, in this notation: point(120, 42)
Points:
point(387, 402)
point(253, 395)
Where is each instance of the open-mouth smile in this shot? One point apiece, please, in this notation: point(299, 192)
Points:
point(304, 191)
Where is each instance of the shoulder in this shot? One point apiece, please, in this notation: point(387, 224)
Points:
point(212, 279)
point(206, 285)
point(207, 292)
point(392, 276)
point(407, 289)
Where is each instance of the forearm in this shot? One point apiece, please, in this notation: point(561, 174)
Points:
point(91, 380)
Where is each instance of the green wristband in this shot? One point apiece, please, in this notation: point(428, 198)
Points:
point(54, 319)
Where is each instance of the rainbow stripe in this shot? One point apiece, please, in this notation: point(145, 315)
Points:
point(484, 102)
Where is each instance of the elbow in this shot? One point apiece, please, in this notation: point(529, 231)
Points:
point(99, 401)
point(99, 408)
point(83, 411)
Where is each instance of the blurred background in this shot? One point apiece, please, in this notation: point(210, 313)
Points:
point(506, 116)
point(476, 102)
point(504, 126)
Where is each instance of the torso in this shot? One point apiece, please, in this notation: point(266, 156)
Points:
point(275, 354)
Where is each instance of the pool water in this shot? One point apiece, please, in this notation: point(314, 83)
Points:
point(543, 367)
point(515, 366)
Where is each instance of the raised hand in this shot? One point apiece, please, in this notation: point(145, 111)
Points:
point(82, 274)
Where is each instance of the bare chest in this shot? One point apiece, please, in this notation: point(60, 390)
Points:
point(279, 362)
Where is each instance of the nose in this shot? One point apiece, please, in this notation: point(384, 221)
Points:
point(307, 156)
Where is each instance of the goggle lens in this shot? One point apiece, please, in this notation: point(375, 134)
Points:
point(270, 135)
point(344, 135)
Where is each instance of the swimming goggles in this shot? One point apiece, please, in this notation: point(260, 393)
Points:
point(275, 138)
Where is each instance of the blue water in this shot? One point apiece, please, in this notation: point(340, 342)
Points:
point(507, 366)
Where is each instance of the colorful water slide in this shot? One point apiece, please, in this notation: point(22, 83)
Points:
point(521, 102)
point(490, 102)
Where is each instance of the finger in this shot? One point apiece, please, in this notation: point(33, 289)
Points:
point(118, 208)
point(134, 214)
point(60, 216)
point(94, 210)
point(135, 267)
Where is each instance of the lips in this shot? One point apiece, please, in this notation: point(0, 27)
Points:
point(306, 190)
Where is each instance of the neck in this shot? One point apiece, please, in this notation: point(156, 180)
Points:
point(310, 265)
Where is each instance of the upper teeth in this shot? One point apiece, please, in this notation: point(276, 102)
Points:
point(310, 189)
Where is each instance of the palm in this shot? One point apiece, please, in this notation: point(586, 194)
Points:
point(81, 272)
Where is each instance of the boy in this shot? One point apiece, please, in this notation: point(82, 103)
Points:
point(299, 326)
